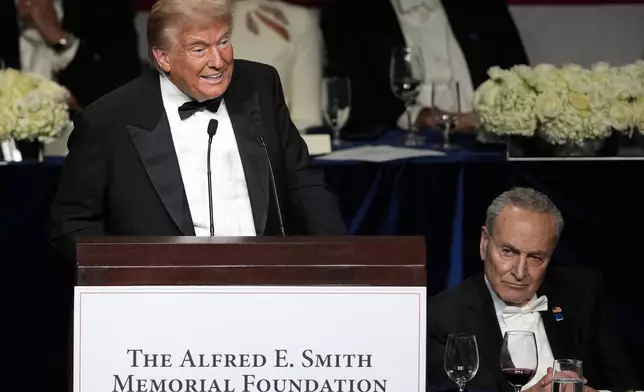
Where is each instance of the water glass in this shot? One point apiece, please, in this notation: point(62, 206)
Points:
point(568, 376)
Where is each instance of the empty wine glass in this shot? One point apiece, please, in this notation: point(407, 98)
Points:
point(336, 104)
point(407, 75)
point(446, 109)
point(519, 358)
point(461, 358)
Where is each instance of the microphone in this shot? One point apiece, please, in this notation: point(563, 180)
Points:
point(212, 130)
point(274, 187)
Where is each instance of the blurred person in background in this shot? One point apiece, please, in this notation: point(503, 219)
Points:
point(459, 41)
point(287, 37)
point(88, 47)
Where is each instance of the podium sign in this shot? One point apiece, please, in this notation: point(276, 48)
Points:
point(249, 339)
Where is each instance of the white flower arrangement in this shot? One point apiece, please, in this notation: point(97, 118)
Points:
point(563, 105)
point(31, 107)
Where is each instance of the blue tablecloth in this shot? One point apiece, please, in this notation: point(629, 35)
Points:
point(416, 196)
point(442, 198)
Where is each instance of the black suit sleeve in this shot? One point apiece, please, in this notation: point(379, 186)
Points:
point(364, 52)
point(310, 200)
point(108, 53)
point(508, 45)
point(437, 379)
point(608, 347)
point(77, 209)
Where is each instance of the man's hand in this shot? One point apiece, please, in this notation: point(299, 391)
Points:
point(544, 385)
point(43, 15)
point(428, 118)
point(72, 103)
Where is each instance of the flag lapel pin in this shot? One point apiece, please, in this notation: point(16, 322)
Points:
point(556, 311)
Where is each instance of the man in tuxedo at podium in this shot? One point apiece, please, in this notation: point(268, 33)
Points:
point(204, 145)
point(563, 306)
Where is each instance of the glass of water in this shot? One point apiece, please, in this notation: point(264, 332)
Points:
point(568, 376)
point(461, 358)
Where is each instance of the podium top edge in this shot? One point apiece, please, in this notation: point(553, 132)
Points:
point(192, 240)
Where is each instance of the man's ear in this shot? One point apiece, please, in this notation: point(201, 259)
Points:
point(162, 58)
point(485, 240)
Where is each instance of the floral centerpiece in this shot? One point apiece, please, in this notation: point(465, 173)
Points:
point(565, 105)
point(32, 108)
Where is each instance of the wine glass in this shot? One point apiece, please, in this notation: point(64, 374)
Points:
point(447, 110)
point(336, 104)
point(407, 75)
point(461, 358)
point(519, 358)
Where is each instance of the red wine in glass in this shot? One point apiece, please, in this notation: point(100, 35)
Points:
point(519, 358)
point(518, 377)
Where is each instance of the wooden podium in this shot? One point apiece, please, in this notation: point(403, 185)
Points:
point(351, 260)
point(315, 298)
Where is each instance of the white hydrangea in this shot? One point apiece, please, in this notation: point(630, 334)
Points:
point(567, 111)
point(31, 107)
point(638, 114)
point(505, 104)
point(570, 104)
point(634, 74)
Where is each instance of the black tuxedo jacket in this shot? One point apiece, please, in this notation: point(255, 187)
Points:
point(122, 176)
point(587, 332)
point(108, 53)
point(361, 34)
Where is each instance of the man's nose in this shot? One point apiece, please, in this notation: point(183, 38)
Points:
point(519, 269)
point(215, 60)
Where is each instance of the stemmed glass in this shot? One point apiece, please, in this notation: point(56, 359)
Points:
point(461, 358)
point(447, 114)
point(336, 104)
point(407, 74)
point(519, 358)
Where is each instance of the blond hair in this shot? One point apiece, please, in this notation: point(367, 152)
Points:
point(170, 17)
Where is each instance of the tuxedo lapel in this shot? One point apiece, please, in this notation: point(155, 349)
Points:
point(245, 116)
point(559, 332)
point(151, 136)
point(487, 330)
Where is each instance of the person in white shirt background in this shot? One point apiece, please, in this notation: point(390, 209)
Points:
point(459, 41)
point(287, 37)
point(89, 48)
point(565, 307)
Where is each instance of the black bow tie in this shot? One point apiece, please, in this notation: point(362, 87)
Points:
point(189, 108)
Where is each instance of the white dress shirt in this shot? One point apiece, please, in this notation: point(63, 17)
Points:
point(425, 25)
point(37, 56)
point(231, 204)
point(298, 61)
point(526, 318)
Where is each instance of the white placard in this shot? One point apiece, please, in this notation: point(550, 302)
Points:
point(249, 339)
point(317, 144)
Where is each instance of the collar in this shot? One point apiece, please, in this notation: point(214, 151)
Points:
point(503, 310)
point(171, 94)
point(173, 97)
point(406, 6)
